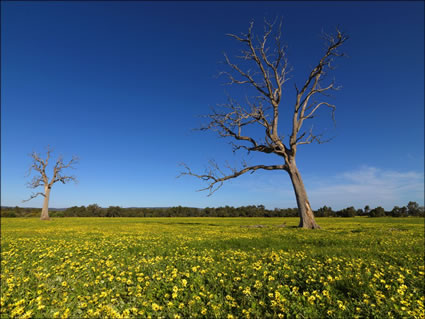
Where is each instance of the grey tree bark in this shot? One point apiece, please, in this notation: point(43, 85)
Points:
point(41, 179)
point(267, 80)
point(45, 209)
point(304, 208)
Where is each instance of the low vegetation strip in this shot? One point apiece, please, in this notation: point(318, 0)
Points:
point(212, 267)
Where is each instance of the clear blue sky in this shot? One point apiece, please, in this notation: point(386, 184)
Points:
point(122, 85)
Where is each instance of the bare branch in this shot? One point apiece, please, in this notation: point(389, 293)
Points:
point(215, 177)
point(315, 108)
point(249, 78)
point(57, 171)
point(269, 69)
point(33, 195)
point(36, 182)
point(71, 164)
point(65, 179)
point(273, 73)
point(231, 122)
point(312, 86)
point(311, 137)
point(40, 165)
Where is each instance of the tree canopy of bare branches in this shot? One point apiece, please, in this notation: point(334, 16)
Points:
point(40, 178)
point(269, 73)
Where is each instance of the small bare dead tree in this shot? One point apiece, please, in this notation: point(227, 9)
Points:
point(269, 75)
point(39, 165)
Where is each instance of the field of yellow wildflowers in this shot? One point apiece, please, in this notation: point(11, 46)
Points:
point(211, 268)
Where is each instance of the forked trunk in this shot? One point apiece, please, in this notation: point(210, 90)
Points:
point(304, 209)
point(45, 210)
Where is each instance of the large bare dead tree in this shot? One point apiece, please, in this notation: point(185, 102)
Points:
point(39, 165)
point(264, 68)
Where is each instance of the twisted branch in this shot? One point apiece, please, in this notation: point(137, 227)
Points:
point(215, 177)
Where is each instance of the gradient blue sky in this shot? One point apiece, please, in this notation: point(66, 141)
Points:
point(122, 85)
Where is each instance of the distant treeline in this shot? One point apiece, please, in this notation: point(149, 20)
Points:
point(94, 210)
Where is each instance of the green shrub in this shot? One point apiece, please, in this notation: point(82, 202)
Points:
point(8, 213)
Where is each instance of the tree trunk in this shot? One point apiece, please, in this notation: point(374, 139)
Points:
point(304, 209)
point(45, 210)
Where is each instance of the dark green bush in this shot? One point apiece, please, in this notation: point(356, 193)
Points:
point(8, 214)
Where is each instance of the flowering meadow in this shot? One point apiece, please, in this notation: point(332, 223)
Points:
point(212, 268)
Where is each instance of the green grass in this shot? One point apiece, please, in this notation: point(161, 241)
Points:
point(212, 267)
